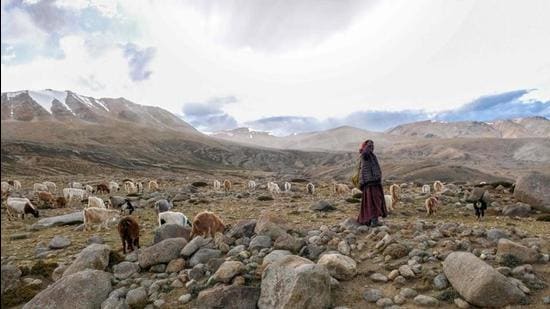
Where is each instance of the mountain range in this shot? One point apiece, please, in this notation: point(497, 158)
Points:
point(53, 131)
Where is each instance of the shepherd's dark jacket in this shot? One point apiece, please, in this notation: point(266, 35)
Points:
point(371, 174)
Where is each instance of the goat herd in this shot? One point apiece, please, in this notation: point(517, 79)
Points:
point(105, 213)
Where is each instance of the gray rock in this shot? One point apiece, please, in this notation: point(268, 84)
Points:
point(125, 270)
point(460, 303)
point(524, 254)
point(195, 244)
point(339, 266)
point(274, 256)
point(198, 272)
point(228, 270)
point(260, 242)
point(175, 266)
point(73, 291)
point(307, 285)
point(372, 295)
point(517, 210)
point(114, 302)
point(137, 298)
point(236, 250)
point(322, 206)
point(159, 268)
point(396, 250)
point(426, 301)
point(203, 256)
point(10, 277)
point(167, 231)
point(377, 277)
point(546, 300)
point(59, 242)
point(312, 251)
point(408, 293)
point(162, 252)
point(68, 219)
point(406, 271)
point(496, 234)
point(441, 282)
point(270, 224)
point(95, 239)
point(478, 283)
point(384, 302)
point(288, 242)
point(229, 297)
point(243, 228)
point(534, 190)
point(185, 298)
point(94, 256)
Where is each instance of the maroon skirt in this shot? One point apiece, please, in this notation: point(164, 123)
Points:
point(373, 204)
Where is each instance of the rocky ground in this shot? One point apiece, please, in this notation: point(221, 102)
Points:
point(296, 251)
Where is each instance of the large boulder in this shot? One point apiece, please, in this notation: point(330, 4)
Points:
point(125, 270)
point(339, 266)
point(95, 256)
point(203, 256)
point(478, 283)
point(68, 219)
point(167, 231)
point(524, 254)
point(274, 256)
point(195, 244)
point(10, 277)
point(163, 252)
point(295, 282)
point(85, 289)
point(271, 224)
point(517, 210)
point(243, 228)
point(229, 297)
point(534, 190)
point(228, 270)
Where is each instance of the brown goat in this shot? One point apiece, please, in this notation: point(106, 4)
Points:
point(61, 202)
point(207, 224)
point(128, 229)
point(102, 188)
point(431, 205)
point(46, 197)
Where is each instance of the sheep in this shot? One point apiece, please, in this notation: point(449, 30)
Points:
point(5, 187)
point(101, 216)
point(94, 201)
point(355, 191)
point(217, 185)
point(102, 189)
point(251, 185)
point(52, 187)
point(340, 189)
point(389, 202)
point(426, 189)
point(61, 202)
point(72, 193)
point(130, 187)
point(479, 196)
point(153, 185)
point(15, 184)
point(438, 186)
point(395, 192)
point(75, 185)
point(139, 186)
point(274, 188)
point(46, 197)
point(207, 224)
point(310, 188)
point(173, 217)
point(89, 189)
point(128, 229)
point(287, 186)
point(113, 186)
point(162, 205)
point(431, 204)
point(226, 185)
point(20, 206)
point(39, 187)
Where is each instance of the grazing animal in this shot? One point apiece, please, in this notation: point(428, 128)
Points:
point(431, 205)
point(128, 229)
point(481, 199)
point(46, 197)
point(341, 189)
point(39, 187)
point(287, 186)
point(426, 189)
point(274, 188)
point(153, 185)
point(355, 191)
point(139, 186)
point(389, 202)
point(102, 189)
point(162, 205)
point(127, 206)
point(130, 187)
point(173, 217)
point(113, 186)
point(101, 216)
point(94, 201)
point(226, 185)
point(16, 185)
point(74, 194)
point(217, 185)
point(310, 188)
point(395, 192)
point(207, 224)
point(61, 202)
point(89, 189)
point(251, 185)
point(5, 187)
point(52, 187)
point(438, 186)
point(76, 185)
point(20, 206)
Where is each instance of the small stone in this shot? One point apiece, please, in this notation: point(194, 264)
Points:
point(408, 293)
point(377, 277)
point(372, 295)
point(185, 298)
point(460, 303)
point(95, 239)
point(426, 301)
point(441, 282)
point(393, 274)
point(59, 242)
point(384, 302)
point(406, 271)
point(159, 268)
point(175, 266)
point(177, 284)
point(137, 297)
point(399, 299)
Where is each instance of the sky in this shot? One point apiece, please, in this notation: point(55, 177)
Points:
point(302, 63)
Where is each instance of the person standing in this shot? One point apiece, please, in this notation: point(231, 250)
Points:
point(373, 204)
